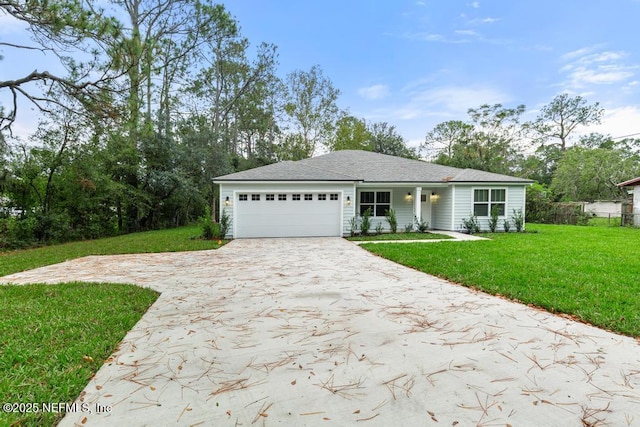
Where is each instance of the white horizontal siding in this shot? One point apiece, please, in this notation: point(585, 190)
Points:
point(400, 203)
point(515, 199)
point(441, 209)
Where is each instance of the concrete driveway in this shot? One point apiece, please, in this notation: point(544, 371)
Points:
point(320, 332)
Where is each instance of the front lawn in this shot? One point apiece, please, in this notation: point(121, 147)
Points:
point(54, 338)
point(398, 236)
point(592, 273)
point(169, 240)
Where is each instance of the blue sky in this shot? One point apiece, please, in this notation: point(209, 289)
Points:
point(415, 64)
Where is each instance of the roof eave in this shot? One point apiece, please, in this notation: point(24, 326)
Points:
point(487, 182)
point(308, 181)
point(631, 182)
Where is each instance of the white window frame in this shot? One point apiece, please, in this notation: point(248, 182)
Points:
point(490, 201)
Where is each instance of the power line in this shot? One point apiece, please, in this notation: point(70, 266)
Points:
point(626, 136)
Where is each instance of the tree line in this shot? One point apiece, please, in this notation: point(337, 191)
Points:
point(157, 97)
point(566, 165)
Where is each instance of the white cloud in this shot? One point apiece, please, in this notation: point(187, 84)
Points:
point(601, 75)
point(475, 4)
point(457, 100)
point(444, 103)
point(618, 122)
point(430, 37)
point(588, 66)
point(490, 20)
point(576, 53)
point(374, 92)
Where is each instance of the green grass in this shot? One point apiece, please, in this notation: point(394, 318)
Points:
point(53, 339)
point(604, 222)
point(171, 240)
point(592, 273)
point(399, 236)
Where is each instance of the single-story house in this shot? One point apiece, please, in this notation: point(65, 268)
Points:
point(635, 184)
point(321, 195)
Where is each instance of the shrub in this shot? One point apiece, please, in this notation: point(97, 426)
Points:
point(408, 228)
point(582, 218)
point(518, 220)
point(365, 223)
point(539, 204)
point(493, 220)
point(17, 233)
point(507, 225)
point(353, 226)
point(392, 220)
point(207, 225)
point(379, 228)
point(421, 226)
point(225, 224)
point(471, 224)
point(53, 227)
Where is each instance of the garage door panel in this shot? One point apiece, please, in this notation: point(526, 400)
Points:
point(288, 218)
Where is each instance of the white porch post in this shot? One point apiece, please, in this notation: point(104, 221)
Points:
point(417, 204)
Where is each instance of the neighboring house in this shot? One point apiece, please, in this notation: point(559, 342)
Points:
point(320, 196)
point(603, 208)
point(635, 184)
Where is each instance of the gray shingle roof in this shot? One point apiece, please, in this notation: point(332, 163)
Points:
point(355, 165)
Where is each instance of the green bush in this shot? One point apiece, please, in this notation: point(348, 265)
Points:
point(507, 225)
point(17, 233)
point(518, 220)
point(471, 225)
point(582, 218)
point(225, 224)
point(53, 227)
point(353, 226)
point(379, 228)
point(493, 220)
point(392, 220)
point(421, 225)
point(207, 225)
point(365, 223)
point(540, 204)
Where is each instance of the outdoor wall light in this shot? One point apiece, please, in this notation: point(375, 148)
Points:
point(349, 200)
point(227, 202)
point(409, 197)
point(434, 197)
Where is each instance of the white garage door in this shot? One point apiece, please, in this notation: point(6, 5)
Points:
point(288, 214)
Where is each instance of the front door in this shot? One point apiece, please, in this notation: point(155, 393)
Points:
point(426, 207)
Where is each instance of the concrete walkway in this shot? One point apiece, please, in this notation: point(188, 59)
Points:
point(455, 237)
point(319, 332)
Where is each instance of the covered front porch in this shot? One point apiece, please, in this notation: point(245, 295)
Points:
point(410, 203)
